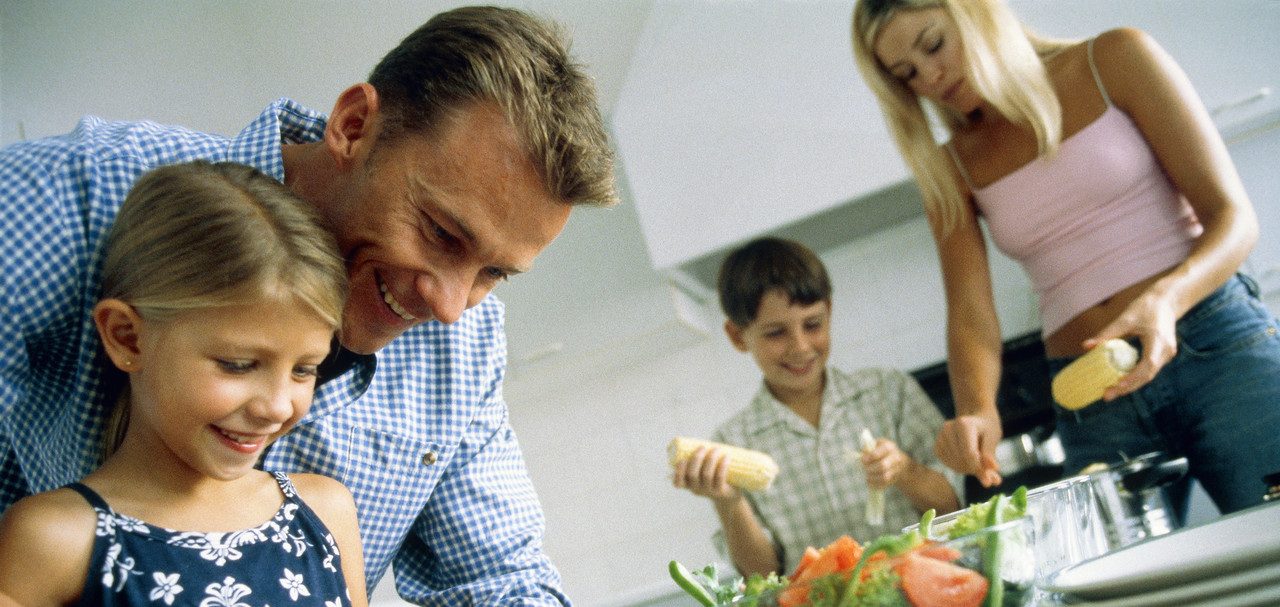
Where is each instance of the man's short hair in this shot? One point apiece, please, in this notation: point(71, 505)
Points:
point(766, 264)
point(522, 64)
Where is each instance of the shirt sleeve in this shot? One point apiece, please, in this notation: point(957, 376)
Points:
point(918, 424)
point(478, 541)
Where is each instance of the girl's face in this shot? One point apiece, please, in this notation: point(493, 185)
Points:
point(790, 343)
point(212, 388)
point(922, 49)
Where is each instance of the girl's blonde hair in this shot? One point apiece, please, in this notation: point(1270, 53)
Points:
point(1005, 61)
point(202, 235)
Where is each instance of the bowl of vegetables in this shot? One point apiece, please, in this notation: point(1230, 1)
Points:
point(907, 569)
point(1068, 526)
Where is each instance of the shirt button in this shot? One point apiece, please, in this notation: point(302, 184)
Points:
point(428, 458)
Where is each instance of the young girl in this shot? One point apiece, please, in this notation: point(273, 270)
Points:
point(221, 294)
point(1096, 166)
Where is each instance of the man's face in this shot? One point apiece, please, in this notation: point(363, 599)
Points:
point(428, 228)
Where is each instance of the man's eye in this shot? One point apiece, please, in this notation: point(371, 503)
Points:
point(934, 46)
point(441, 233)
point(236, 366)
point(497, 274)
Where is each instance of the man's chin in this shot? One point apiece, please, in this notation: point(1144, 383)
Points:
point(361, 342)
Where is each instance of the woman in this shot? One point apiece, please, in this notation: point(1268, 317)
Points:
point(1096, 166)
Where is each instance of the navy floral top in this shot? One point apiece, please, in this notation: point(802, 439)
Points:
point(291, 559)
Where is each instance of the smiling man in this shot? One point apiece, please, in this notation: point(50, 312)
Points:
point(447, 172)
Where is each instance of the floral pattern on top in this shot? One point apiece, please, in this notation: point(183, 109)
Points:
point(291, 559)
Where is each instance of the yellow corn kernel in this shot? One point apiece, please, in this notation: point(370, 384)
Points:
point(748, 469)
point(1083, 381)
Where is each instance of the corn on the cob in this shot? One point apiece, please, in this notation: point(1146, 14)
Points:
point(748, 469)
point(1083, 381)
point(875, 497)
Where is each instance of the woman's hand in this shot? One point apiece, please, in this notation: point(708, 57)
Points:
point(967, 444)
point(884, 464)
point(1152, 317)
point(705, 472)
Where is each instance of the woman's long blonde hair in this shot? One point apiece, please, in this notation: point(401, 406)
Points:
point(202, 235)
point(1006, 66)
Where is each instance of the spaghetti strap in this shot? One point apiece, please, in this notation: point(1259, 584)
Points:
point(1097, 78)
point(959, 166)
point(90, 496)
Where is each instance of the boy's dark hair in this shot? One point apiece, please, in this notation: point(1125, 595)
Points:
point(765, 264)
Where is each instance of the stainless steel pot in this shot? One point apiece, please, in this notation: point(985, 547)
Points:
point(1130, 497)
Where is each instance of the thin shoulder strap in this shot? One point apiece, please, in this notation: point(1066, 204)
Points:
point(90, 496)
point(1097, 78)
point(959, 165)
point(286, 486)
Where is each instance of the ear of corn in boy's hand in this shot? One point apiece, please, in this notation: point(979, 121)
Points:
point(1083, 381)
point(748, 469)
point(875, 497)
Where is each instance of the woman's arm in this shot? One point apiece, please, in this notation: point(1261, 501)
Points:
point(333, 503)
point(46, 541)
point(1144, 81)
point(706, 473)
point(967, 442)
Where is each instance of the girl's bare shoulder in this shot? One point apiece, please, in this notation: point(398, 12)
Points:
point(46, 542)
point(323, 494)
point(61, 515)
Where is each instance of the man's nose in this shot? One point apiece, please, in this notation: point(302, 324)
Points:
point(447, 294)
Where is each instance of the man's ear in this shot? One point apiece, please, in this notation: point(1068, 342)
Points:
point(735, 335)
point(350, 131)
point(119, 327)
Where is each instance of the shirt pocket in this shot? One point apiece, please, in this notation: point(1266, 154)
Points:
point(391, 476)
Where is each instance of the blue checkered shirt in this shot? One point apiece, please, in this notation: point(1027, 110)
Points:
point(419, 432)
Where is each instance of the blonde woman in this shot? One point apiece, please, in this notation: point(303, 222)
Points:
point(221, 296)
point(1096, 166)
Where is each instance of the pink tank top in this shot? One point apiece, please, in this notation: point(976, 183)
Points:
point(1098, 217)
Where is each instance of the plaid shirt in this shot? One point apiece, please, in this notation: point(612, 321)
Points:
point(820, 493)
point(423, 442)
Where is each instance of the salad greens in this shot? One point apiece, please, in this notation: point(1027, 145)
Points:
point(892, 571)
point(977, 515)
point(704, 585)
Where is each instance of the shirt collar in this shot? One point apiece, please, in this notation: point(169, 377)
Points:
point(767, 411)
point(284, 121)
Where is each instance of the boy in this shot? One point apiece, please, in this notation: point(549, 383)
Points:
point(777, 297)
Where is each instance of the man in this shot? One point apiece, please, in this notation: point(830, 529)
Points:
point(446, 173)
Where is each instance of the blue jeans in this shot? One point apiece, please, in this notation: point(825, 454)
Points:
point(1217, 403)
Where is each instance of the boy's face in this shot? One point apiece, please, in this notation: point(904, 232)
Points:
point(789, 342)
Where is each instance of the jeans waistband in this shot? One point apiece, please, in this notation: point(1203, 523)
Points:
point(1237, 284)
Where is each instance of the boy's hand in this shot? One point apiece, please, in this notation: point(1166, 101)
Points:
point(706, 473)
point(884, 463)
